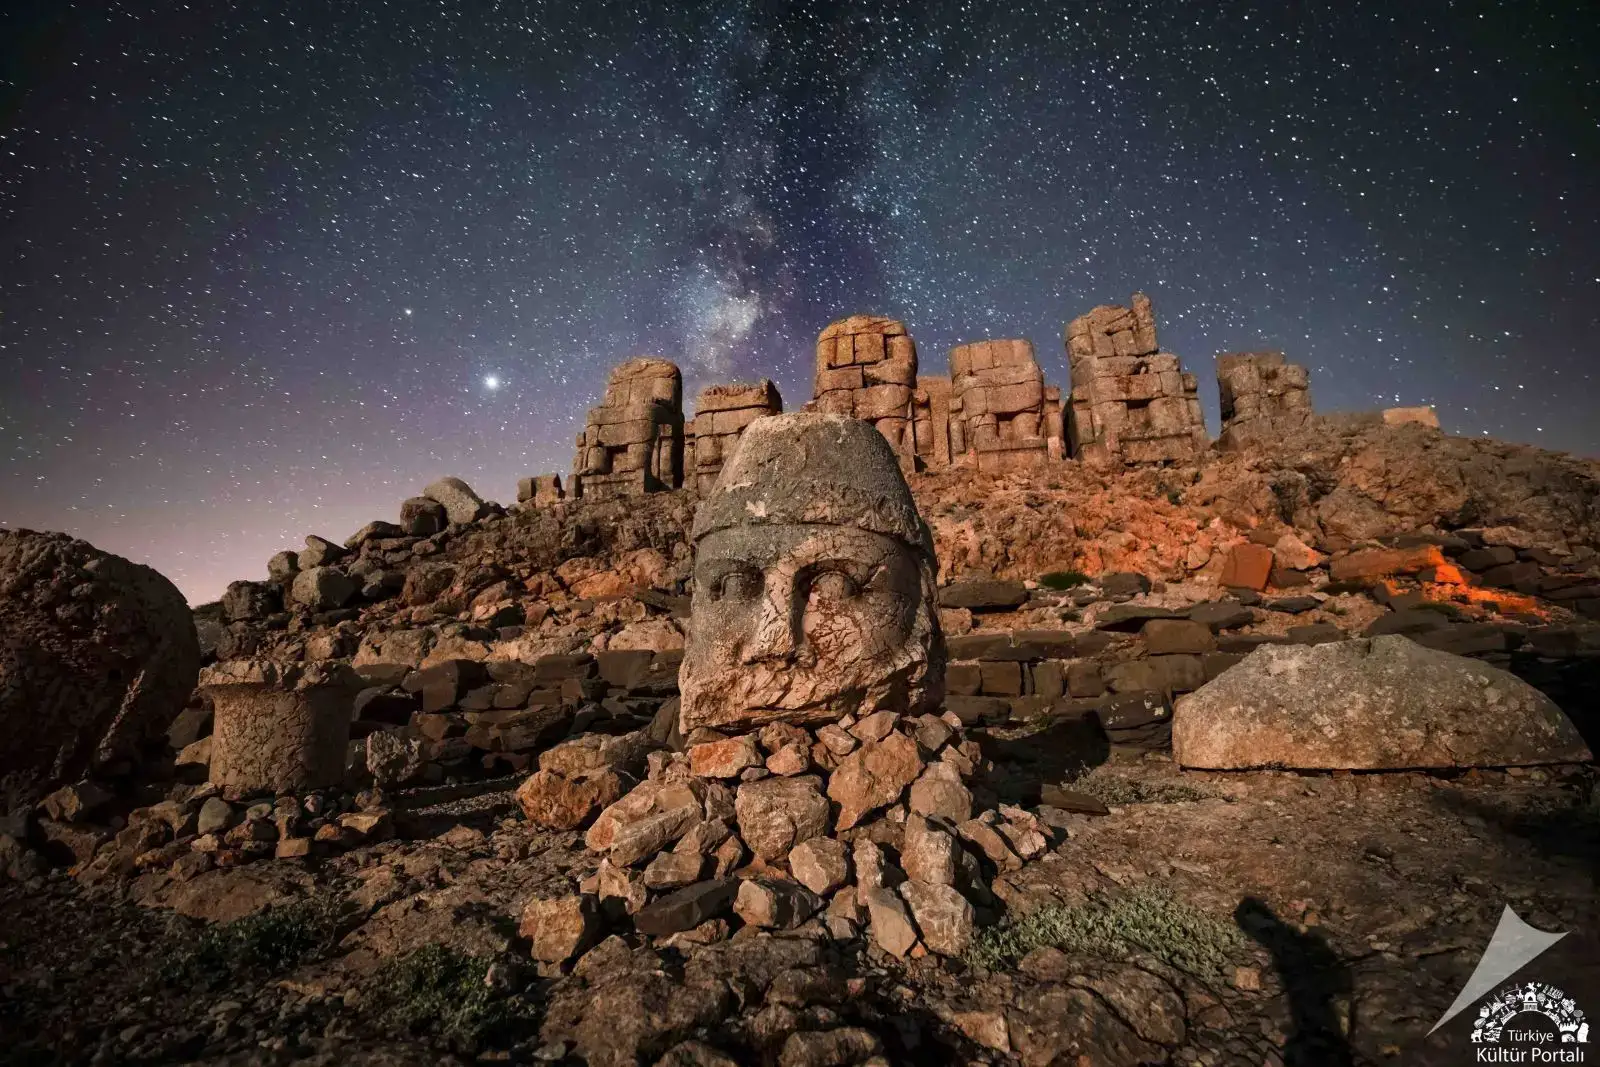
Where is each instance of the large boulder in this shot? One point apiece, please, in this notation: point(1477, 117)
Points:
point(1381, 703)
point(97, 655)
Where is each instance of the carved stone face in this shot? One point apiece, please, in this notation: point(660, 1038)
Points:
point(807, 621)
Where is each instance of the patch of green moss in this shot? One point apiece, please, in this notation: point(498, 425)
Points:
point(1146, 920)
point(271, 941)
point(1068, 579)
point(439, 991)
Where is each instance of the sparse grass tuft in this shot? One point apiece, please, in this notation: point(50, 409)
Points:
point(1113, 790)
point(439, 991)
point(1145, 919)
point(273, 941)
point(1068, 579)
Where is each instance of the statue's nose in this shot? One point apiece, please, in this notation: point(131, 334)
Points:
point(775, 636)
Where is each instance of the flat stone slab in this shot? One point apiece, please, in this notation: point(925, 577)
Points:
point(1382, 703)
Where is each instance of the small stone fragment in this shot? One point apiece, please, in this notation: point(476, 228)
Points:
point(892, 929)
point(821, 864)
point(775, 904)
point(943, 916)
point(560, 928)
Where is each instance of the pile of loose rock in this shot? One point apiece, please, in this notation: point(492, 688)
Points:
point(876, 826)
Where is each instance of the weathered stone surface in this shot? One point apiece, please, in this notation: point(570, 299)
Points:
point(821, 864)
point(1369, 704)
point(1177, 637)
point(638, 840)
point(393, 759)
point(724, 759)
point(594, 751)
point(279, 727)
point(97, 657)
point(461, 504)
point(991, 843)
point(814, 583)
point(873, 776)
point(560, 928)
point(775, 814)
point(940, 792)
point(633, 443)
point(421, 516)
point(320, 552)
point(322, 588)
point(721, 414)
point(775, 904)
point(687, 908)
point(928, 854)
point(984, 594)
point(943, 916)
point(828, 1048)
point(671, 869)
point(891, 925)
point(1247, 566)
point(562, 802)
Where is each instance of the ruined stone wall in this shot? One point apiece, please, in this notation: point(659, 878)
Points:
point(1002, 413)
point(633, 442)
point(867, 369)
point(1131, 402)
point(1262, 395)
point(720, 417)
point(540, 490)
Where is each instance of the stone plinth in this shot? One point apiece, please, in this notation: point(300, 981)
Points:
point(867, 369)
point(1131, 402)
point(540, 490)
point(633, 442)
point(1002, 413)
point(1262, 396)
point(279, 727)
point(720, 416)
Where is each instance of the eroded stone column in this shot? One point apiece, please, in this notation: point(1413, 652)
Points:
point(867, 369)
point(279, 727)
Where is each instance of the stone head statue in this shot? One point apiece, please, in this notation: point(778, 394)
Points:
point(813, 583)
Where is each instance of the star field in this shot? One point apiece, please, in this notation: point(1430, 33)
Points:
point(271, 267)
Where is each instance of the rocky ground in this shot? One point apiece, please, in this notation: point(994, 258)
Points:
point(1174, 917)
point(1206, 918)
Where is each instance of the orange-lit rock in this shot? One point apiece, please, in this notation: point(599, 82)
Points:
point(1382, 562)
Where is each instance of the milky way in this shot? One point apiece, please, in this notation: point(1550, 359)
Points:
point(270, 268)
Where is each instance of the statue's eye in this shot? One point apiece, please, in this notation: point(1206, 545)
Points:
point(833, 585)
point(737, 585)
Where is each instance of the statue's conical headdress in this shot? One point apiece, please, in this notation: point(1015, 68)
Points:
point(811, 467)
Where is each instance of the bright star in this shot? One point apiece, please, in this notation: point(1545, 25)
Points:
point(490, 382)
point(408, 312)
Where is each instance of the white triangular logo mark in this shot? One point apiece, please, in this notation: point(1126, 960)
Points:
point(1513, 946)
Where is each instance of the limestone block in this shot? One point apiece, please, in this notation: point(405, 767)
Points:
point(279, 727)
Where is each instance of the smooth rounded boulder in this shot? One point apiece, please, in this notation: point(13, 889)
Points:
point(1381, 703)
point(97, 656)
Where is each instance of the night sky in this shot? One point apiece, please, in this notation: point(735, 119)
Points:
point(269, 268)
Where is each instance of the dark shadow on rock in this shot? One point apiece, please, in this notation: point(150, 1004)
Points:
point(1312, 975)
point(1060, 751)
point(1567, 828)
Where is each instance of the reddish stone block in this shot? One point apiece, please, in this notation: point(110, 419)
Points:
point(1248, 566)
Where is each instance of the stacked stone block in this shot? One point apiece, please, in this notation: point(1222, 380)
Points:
point(867, 369)
point(633, 442)
point(1262, 396)
point(1002, 413)
point(721, 414)
point(540, 490)
point(931, 420)
point(1131, 402)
